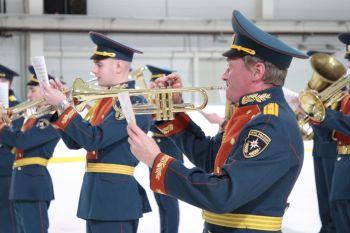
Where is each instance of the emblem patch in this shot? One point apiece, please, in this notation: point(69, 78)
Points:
point(259, 98)
point(42, 124)
point(255, 143)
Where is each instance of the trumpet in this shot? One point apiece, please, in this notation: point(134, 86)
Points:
point(35, 108)
point(163, 107)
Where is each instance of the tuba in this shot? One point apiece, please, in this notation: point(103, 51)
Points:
point(324, 89)
point(163, 107)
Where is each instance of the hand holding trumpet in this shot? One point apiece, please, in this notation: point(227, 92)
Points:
point(53, 92)
point(170, 81)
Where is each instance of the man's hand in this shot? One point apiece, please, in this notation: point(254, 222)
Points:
point(4, 116)
point(172, 80)
point(143, 147)
point(53, 93)
point(213, 118)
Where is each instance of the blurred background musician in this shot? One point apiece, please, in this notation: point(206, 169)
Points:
point(31, 187)
point(340, 122)
point(324, 154)
point(7, 222)
point(169, 213)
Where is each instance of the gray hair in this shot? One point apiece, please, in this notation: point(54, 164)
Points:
point(273, 75)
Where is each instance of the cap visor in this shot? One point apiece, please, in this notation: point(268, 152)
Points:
point(98, 57)
point(31, 83)
point(234, 53)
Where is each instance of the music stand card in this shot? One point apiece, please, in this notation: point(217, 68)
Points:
point(4, 95)
point(125, 103)
point(39, 65)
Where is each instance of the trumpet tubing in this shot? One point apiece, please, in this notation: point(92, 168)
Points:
point(34, 108)
point(163, 106)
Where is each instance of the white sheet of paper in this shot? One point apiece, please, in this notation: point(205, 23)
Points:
point(125, 103)
point(292, 98)
point(4, 95)
point(39, 65)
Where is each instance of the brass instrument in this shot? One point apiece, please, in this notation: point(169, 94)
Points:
point(137, 75)
point(27, 109)
point(314, 104)
point(163, 107)
point(34, 108)
point(323, 90)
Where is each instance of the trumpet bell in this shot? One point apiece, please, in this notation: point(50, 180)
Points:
point(327, 70)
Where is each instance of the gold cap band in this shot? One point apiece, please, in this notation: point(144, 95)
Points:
point(105, 54)
point(244, 49)
point(157, 75)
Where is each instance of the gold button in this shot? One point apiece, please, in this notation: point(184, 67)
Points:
point(232, 141)
point(339, 158)
point(94, 152)
point(19, 168)
point(158, 140)
point(248, 112)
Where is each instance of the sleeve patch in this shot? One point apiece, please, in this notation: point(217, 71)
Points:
point(255, 143)
point(159, 171)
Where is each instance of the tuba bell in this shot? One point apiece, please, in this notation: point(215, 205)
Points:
point(163, 107)
point(324, 89)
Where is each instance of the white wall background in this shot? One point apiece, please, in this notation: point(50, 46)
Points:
point(196, 56)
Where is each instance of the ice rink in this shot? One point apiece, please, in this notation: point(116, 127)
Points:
point(67, 170)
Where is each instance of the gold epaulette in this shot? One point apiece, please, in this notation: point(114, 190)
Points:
point(271, 109)
point(12, 98)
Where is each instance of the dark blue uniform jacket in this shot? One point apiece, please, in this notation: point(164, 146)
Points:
point(260, 170)
point(32, 182)
point(106, 196)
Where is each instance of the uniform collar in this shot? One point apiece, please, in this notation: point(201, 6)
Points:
point(130, 84)
point(260, 97)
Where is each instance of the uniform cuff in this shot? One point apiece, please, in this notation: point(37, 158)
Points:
point(181, 121)
point(67, 116)
point(159, 170)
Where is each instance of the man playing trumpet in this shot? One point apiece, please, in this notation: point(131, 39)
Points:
point(31, 187)
point(111, 200)
point(8, 221)
point(244, 174)
point(340, 122)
